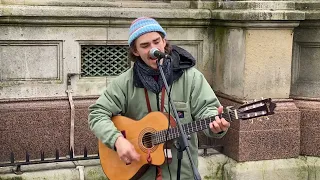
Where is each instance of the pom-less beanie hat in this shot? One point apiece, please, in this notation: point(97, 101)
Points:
point(142, 26)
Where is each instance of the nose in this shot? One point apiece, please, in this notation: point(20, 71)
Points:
point(153, 45)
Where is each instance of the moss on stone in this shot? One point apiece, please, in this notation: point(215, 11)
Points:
point(216, 170)
point(93, 174)
point(11, 178)
point(9, 84)
point(220, 35)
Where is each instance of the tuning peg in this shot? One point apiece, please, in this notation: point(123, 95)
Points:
point(262, 98)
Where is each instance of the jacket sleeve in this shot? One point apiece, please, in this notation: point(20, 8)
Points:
point(110, 103)
point(204, 102)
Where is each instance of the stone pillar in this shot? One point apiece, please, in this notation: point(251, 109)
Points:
point(306, 83)
point(253, 47)
point(253, 59)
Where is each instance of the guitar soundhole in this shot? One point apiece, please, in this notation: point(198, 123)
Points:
point(147, 141)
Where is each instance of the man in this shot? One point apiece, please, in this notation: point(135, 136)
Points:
point(137, 92)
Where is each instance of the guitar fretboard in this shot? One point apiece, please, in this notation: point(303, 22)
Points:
point(189, 128)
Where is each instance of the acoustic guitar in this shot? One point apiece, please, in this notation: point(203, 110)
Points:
point(149, 134)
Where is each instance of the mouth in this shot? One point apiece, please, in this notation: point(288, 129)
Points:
point(153, 59)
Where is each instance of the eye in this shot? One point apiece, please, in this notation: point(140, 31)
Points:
point(157, 41)
point(144, 46)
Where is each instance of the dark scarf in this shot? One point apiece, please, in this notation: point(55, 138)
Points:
point(143, 75)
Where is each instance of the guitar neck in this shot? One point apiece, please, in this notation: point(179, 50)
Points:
point(189, 128)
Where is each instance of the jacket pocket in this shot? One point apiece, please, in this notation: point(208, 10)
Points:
point(183, 111)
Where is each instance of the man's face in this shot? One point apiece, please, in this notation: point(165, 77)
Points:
point(146, 42)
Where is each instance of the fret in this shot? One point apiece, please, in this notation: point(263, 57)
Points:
point(161, 134)
point(174, 133)
point(196, 125)
point(156, 136)
point(185, 129)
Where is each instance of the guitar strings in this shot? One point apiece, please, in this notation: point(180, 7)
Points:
point(158, 137)
point(194, 126)
point(174, 132)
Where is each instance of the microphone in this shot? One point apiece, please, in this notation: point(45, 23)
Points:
point(155, 53)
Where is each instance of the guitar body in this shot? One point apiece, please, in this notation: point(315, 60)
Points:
point(155, 125)
point(139, 134)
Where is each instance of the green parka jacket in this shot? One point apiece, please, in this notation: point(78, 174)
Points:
point(191, 94)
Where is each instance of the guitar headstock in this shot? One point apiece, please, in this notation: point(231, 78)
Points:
point(255, 109)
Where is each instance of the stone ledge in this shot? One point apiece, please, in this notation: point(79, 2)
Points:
point(249, 5)
point(258, 24)
point(257, 15)
point(228, 10)
point(308, 5)
point(100, 12)
point(216, 166)
point(106, 15)
point(100, 3)
point(312, 15)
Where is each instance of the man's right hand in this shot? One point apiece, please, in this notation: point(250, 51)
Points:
point(126, 150)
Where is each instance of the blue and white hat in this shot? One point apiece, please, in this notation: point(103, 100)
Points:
point(142, 26)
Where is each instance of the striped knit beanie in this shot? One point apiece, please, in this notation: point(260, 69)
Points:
point(142, 26)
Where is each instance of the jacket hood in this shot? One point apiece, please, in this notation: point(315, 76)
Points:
point(181, 59)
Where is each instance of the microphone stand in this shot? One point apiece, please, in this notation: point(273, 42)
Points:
point(182, 143)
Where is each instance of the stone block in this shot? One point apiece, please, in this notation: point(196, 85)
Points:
point(262, 139)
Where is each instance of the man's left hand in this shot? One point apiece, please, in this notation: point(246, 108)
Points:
point(220, 124)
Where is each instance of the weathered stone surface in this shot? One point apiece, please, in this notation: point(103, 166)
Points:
point(277, 137)
point(246, 57)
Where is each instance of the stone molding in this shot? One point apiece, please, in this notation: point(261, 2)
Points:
point(102, 3)
point(258, 24)
point(104, 13)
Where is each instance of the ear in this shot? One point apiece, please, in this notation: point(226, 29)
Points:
point(164, 42)
point(135, 52)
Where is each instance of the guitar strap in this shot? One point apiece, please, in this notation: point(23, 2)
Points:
point(159, 172)
point(148, 102)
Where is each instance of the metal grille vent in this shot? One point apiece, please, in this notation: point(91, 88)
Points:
point(104, 60)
